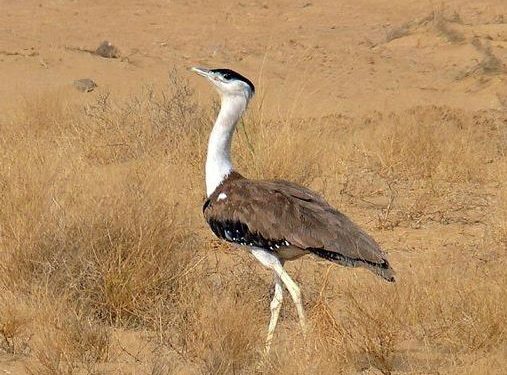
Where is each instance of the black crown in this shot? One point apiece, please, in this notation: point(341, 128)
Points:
point(231, 74)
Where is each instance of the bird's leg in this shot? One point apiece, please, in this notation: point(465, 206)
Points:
point(294, 292)
point(271, 261)
point(276, 305)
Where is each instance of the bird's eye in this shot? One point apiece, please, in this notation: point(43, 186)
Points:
point(227, 76)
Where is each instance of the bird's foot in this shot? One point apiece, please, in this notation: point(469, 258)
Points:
point(302, 324)
point(267, 345)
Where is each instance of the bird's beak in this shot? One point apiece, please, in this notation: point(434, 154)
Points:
point(202, 72)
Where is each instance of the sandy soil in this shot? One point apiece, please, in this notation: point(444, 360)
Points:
point(307, 58)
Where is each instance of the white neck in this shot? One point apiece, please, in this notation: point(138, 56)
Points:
point(218, 161)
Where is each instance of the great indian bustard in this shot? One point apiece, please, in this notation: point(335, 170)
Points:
point(275, 220)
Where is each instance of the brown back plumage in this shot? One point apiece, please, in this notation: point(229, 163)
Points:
point(274, 214)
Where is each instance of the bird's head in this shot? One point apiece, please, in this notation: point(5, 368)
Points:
point(227, 82)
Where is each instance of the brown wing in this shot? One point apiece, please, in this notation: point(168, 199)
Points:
point(271, 214)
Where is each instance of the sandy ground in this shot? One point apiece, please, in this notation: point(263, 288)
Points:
point(307, 58)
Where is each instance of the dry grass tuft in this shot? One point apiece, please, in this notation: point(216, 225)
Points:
point(397, 32)
point(427, 164)
point(426, 144)
point(270, 150)
point(220, 340)
point(14, 324)
point(444, 27)
point(68, 342)
point(490, 64)
point(440, 20)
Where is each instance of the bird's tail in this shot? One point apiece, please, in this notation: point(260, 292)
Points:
point(383, 269)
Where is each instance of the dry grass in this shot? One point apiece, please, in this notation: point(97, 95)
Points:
point(490, 63)
point(106, 264)
point(440, 20)
point(444, 26)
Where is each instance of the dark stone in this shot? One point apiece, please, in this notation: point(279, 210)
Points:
point(85, 85)
point(107, 50)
